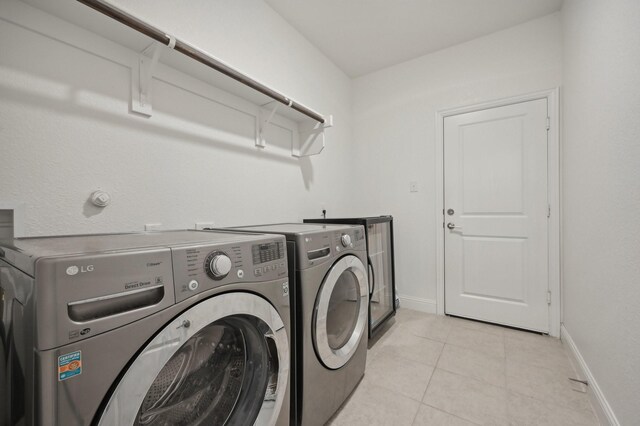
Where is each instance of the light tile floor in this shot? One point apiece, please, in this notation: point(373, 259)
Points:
point(432, 370)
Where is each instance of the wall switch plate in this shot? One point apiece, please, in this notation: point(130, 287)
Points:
point(413, 186)
point(152, 226)
point(203, 225)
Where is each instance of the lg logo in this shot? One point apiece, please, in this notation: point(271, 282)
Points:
point(73, 270)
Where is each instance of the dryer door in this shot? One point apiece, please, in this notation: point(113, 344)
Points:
point(340, 316)
point(224, 361)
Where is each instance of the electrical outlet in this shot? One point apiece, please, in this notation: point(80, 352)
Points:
point(152, 226)
point(202, 225)
point(413, 186)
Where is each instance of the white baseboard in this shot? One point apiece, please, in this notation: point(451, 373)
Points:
point(418, 304)
point(599, 402)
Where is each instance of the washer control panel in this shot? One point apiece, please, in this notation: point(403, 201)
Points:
point(217, 265)
point(268, 257)
point(200, 268)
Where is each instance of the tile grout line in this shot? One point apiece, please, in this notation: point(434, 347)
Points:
point(476, 351)
point(427, 338)
point(479, 379)
point(413, 421)
point(451, 414)
point(483, 383)
point(384, 386)
point(400, 394)
point(409, 359)
point(433, 370)
point(432, 373)
point(445, 343)
point(426, 388)
point(502, 338)
point(546, 401)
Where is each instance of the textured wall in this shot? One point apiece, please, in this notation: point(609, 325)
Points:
point(395, 136)
point(66, 129)
point(601, 193)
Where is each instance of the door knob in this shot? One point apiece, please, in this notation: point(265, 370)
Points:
point(453, 226)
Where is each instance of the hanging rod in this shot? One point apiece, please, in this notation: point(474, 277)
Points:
point(194, 53)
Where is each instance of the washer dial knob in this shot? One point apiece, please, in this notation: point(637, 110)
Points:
point(218, 265)
point(345, 240)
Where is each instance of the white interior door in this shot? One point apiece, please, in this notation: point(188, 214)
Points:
point(496, 212)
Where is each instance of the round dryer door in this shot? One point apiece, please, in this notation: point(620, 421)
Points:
point(340, 318)
point(224, 361)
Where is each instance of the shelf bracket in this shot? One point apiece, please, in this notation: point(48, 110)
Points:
point(142, 74)
point(267, 111)
point(311, 138)
point(308, 136)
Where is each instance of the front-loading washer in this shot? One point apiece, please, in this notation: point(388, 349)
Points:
point(330, 289)
point(164, 328)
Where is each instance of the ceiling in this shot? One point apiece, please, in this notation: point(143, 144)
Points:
point(361, 36)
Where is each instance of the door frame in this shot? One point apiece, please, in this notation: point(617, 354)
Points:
point(553, 177)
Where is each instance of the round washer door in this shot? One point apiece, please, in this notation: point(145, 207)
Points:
point(340, 317)
point(224, 361)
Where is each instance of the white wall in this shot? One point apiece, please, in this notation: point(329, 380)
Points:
point(395, 135)
point(66, 128)
point(601, 193)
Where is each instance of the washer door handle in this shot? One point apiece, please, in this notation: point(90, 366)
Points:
point(186, 324)
point(372, 278)
point(112, 304)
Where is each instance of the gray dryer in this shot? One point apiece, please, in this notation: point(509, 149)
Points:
point(330, 289)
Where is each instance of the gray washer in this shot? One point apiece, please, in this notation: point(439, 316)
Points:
point(149, 328)
point(330, 291)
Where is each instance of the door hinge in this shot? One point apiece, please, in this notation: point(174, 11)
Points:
point(548, 123)
point(548, 297)
point(548, 210)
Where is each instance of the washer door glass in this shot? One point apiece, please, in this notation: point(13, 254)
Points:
point(203, 380)
point(228, 370)
point(341, 312)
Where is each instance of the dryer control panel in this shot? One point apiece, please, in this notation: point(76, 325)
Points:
point(349, 239)
point(319, 247)
point(203, 267)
